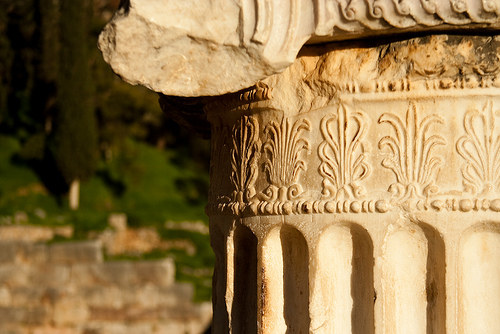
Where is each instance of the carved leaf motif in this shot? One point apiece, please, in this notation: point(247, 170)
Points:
point(343, 154)
point(284, 147)
point(346, 8)
point(411, 155)
point(490, 6)
point(429, 6)
point(480, 147)
point(245, 154)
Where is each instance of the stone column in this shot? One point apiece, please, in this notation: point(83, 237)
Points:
point(357, 191)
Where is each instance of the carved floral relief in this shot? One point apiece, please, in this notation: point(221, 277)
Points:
point(412, 156)
point(285, 146)
point(245, 153)
point(480, 148)
point(271, 170)
point(343, 154)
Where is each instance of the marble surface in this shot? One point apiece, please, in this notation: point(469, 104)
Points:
point(208, 48)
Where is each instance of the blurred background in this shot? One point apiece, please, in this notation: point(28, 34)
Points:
point(129, 253)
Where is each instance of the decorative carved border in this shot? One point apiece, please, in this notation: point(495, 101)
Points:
point(348, 206)
point(410, 155)
point(384, 14)
point(470, 81)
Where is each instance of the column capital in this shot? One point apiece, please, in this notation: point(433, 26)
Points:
point(202, 48)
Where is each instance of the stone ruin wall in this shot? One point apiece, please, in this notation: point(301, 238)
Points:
point(67, 288)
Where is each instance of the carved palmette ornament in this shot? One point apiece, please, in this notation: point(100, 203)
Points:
point(480, 147)
point(342, 153)
point(435, 123)
point(245, 153)
point(284, 147)
point(411, 153)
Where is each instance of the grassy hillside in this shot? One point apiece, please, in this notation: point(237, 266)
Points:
point(146, 185)
point(151, 192)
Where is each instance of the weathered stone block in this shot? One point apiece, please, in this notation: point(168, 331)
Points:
point(27, 295)
point(22, 252)
point(35, 254)
point(5, 296)
point(53, 295)
point(104, 327)
point(51, 275)
point(127, 314)
point(104, 295)
point(64, 231)
point(110, 314)
point(37, 315)
point(55, 330)
point(13, 329)
point(182, 311)
point(134, 241)
point(25, 233)
point(76, 252)
point(183, 326)
point(147, 295)
point(8, 252)
point(176, 294)
point(70, 311)
point(160, 272)
point(15, 275)
point(126, 273)
point(84, 274)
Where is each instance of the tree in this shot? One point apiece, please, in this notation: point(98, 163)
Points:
point(6, 55)
point(74, 139)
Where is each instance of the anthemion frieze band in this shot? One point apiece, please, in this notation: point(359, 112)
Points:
point(389, 132)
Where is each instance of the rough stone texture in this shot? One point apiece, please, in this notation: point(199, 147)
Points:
point(124, 240)
point(160, 42)
point(32, 233)
point(198, 226)
point(66, 288)
point(79, 252)
point(193, 48)
point(359, 192)
point(133, 241)
point(437, 62)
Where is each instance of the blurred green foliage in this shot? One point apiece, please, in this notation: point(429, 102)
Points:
point(65, 106)
point(64, 114)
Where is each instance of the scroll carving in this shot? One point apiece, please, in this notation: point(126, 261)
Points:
point(343, 154)
point(284, 146)
point(245, 153)
point(411, 156)
point(383, 14)
point(480, 147)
